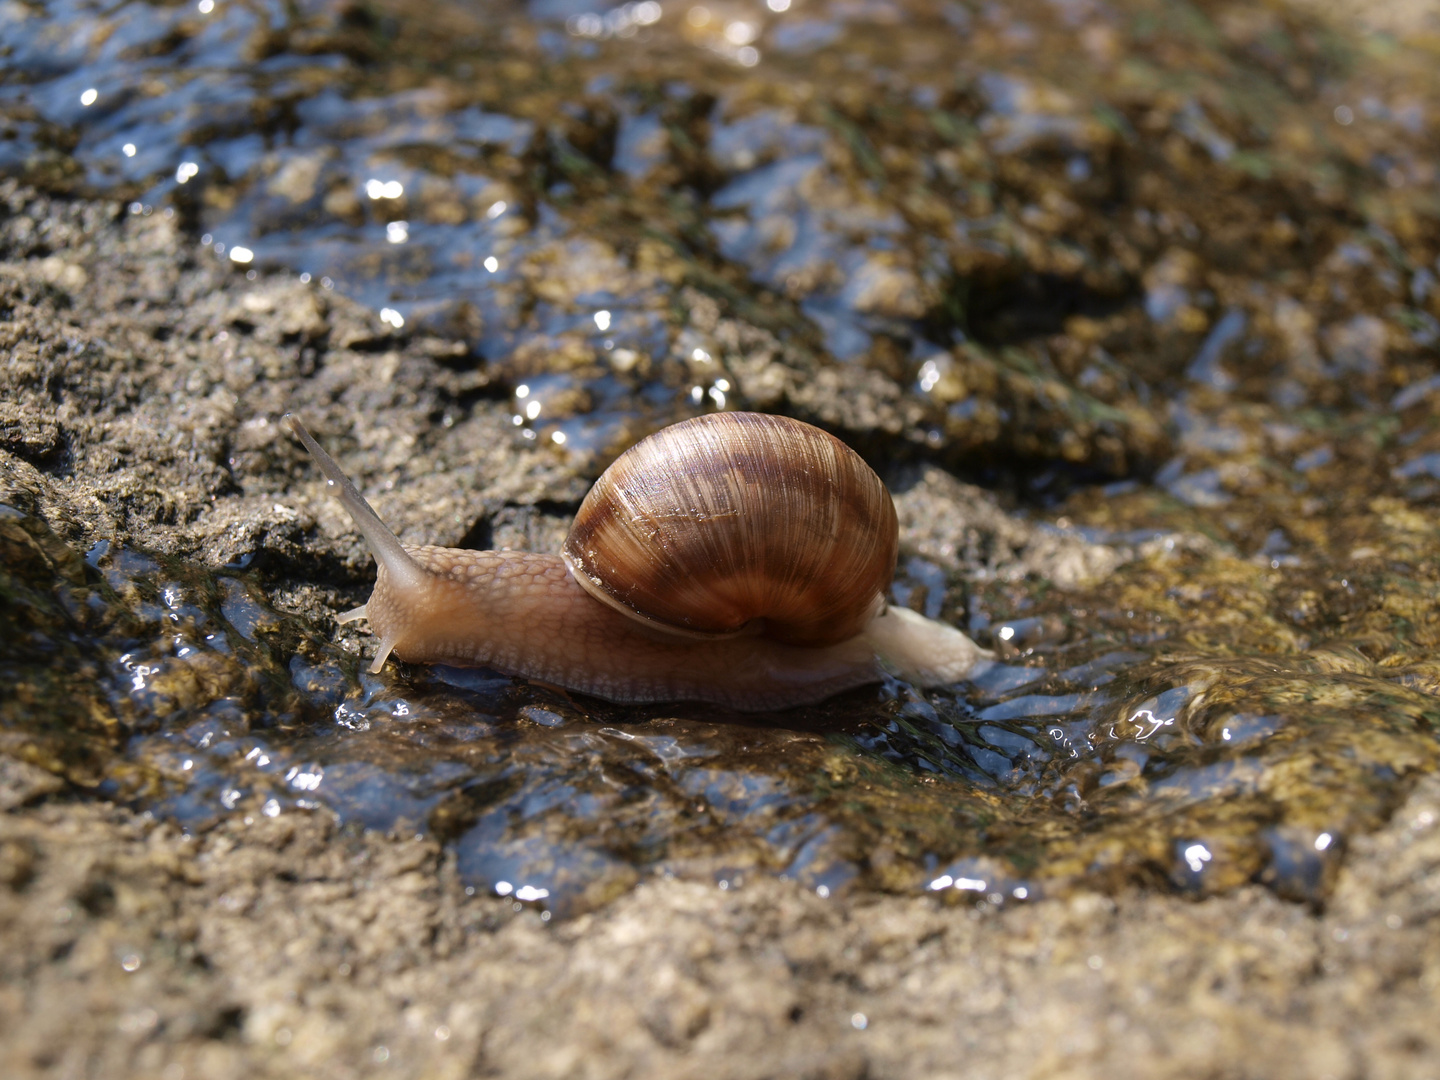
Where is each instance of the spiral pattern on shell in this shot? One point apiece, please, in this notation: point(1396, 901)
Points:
point(722, 520)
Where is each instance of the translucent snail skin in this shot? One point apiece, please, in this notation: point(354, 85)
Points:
point(736, 558)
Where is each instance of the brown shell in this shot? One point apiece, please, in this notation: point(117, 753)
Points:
point(715, 522)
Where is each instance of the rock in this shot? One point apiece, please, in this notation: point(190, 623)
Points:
point(22, 783)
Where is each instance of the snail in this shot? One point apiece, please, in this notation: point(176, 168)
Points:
point(735, 558)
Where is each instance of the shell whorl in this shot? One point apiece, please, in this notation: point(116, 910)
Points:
point(714, 523)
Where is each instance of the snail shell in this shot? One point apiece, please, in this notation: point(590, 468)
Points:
point(739, 520)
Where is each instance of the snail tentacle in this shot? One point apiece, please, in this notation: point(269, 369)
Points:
point(384, 544)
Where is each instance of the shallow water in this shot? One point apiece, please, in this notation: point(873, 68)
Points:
point(1083, 762)
point(1155, 287)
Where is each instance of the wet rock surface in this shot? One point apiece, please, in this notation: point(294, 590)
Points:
point(1133, 306)
point(274, 946)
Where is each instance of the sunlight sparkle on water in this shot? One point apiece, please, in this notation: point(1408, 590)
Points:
point(384, 189)
point(740, 32)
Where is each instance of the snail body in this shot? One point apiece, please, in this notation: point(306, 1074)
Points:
point(734, 558)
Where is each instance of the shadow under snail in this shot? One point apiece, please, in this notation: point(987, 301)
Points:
point(736, 558)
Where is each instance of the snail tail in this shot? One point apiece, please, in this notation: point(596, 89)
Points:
point(923, 651)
